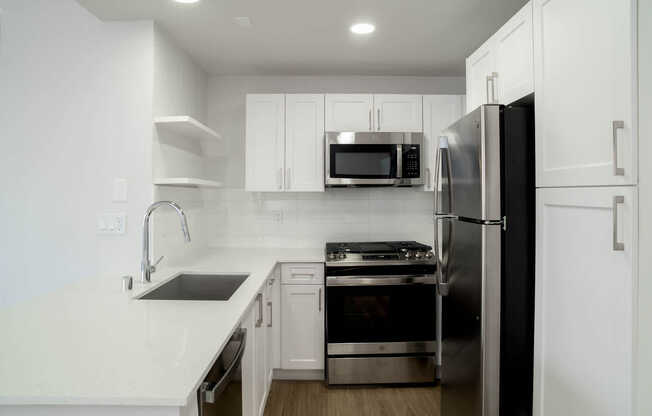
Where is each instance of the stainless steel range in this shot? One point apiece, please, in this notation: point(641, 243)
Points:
point(381, 313)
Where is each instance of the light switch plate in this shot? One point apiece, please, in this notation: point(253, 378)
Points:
point(111, 223)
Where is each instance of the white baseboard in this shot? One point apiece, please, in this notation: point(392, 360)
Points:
point(280, 374)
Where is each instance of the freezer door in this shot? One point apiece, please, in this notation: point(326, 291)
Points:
point(471, 319)
point(474, 154)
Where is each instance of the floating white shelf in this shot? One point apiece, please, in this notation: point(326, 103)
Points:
point(187, 182)
point(187, 126)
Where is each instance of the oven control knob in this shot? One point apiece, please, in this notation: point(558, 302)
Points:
point(409, 254)
point(429, 255)
point(341, 256)
point(331, 256)
point(419, 255)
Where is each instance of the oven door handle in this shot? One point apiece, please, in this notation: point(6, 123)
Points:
point(384, 280)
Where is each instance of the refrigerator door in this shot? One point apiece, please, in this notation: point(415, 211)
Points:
point(469, 259)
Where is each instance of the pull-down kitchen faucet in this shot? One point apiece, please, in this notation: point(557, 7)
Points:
point(146, 266)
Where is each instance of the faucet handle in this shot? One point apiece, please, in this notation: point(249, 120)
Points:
point(152, 268)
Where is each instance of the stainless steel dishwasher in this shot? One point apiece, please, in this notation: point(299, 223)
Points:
point(221, 391)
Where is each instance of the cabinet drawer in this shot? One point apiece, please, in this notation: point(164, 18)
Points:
point(302, 273)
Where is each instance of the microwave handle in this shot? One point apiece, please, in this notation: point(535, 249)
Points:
point(399, 161)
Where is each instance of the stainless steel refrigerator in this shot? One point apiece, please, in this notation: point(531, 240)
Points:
point(484, 233)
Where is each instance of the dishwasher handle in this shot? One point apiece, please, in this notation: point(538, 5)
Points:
point(209, 391)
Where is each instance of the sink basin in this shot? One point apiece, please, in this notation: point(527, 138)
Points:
point(187, 286)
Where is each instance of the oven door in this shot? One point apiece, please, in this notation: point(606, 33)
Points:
point(363, 164)
point(381, 314)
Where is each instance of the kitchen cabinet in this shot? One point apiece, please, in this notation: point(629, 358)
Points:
point(379, 112)
point(439, 112)
point(501, 70)
point(275, 317)
point(398, 112)
point(585, 295)
point(249, 401)
point(265, 142)
point(302, 327)
point(585, 83)
point(349, 112)
point(302, 273)
point(304, 142)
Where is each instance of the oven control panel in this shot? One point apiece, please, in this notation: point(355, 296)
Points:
point(411, 161)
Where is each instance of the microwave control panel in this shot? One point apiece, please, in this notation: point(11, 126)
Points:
point(411, 161)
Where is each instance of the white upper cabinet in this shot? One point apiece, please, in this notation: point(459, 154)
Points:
point(585, 83)
point(480, 69)
point(439, 112)
point(501, 70)
point(349, 112)
point(585, 300)
point(379, 112)
point(398, 113)
point(265, 142)
point(304, 142)
point(514, 57)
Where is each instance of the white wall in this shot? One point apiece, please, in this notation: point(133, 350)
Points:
point(179, 89)
point(644, 370)
point(75, 105)
point(238, 218)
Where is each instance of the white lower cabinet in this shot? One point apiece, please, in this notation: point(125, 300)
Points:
point(302, 340)
point(585, 299)
point(255, 362)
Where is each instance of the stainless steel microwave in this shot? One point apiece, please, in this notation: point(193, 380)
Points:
point(367, 159)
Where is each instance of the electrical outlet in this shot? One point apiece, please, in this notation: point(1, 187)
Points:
point(277, 216)
point(111, 223)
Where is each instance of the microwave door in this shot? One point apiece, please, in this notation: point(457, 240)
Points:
point(363, 164)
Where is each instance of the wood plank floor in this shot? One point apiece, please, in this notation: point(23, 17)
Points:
point(313, 398)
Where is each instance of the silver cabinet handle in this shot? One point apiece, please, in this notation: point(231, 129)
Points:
point(259, 299)
point(618, 246)
point(378, 121)
point(270, 314)
point(279, 178)
point(287, 178)
point(615, 125)
point(428, 178)
point(370, 128)
point(319, 304)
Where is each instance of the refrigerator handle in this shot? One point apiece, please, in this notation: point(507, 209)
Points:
point(443, 151)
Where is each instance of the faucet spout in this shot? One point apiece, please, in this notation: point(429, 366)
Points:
point(146, 264)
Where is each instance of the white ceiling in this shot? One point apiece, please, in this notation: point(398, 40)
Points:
point(310, 37)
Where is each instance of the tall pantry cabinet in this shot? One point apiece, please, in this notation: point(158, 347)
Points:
point(587, 208)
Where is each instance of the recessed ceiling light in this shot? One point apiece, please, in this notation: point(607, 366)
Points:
point(362, 28)
point(187, 1)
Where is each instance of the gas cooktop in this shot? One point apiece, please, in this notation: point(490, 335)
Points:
point(379, 251)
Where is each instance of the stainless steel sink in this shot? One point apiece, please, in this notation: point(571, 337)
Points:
point(194, 286)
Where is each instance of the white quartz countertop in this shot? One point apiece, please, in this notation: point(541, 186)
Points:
point(92, 344)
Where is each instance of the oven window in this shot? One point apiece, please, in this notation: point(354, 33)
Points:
point(363, 161)
point(381, 313)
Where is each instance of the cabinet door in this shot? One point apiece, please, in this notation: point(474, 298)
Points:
point(302, 273)
point(276, 317)
point(398, 112)
point(514, 57)
point(260, 347)
point(439, 112)
point(271, 339)
point(303, 327)
point(249, 402)
point(584, 301)
point(265, 142)
point(584, 92)
point(480, 85)
point(349, 112)
point(304, 142)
